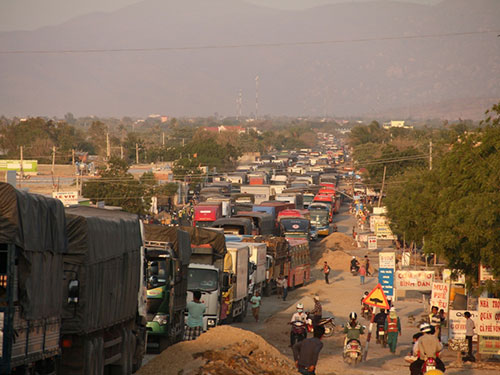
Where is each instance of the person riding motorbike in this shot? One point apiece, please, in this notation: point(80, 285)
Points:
point(299, 331)
point(428, 347)
point(354, 264)
point(353, 329)
point(380, 321)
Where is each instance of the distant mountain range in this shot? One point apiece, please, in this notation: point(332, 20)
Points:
point(369, 68)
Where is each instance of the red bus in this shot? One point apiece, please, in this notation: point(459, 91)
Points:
point(300, 262)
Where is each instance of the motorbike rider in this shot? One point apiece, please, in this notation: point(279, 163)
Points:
point(298, 332)
point(354, 264)
point(380, 321)
point(353, 329)
point(428, 347)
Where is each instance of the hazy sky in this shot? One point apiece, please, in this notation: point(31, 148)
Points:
point(32, 14)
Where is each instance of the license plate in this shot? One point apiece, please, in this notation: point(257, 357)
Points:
point(353, 355)
point(381, 333)
point(429, 368)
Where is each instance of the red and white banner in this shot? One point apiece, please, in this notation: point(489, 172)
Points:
point(414, 280)
point(440, 295)
point(489, 317)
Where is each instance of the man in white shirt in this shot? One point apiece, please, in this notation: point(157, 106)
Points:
point(469, 333)
point(299, 331)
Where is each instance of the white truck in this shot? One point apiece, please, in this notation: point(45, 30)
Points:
point(236, 296)
point(258, 263)
point(261, 192)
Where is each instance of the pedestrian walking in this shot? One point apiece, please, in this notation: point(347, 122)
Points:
point(256, 302)
point(326, 271)
point(316, 312)
point(306, 352)
point(362, 274)
point(284, 285)
point(194, 324)
point(367, 266)
point(393, 329)
point(469, 333)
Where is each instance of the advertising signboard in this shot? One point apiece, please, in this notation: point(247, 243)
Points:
point(29, 166)
point(387, 260)
point(414, 280)
point(489, 317)
point(67, 197)
point(383, 231)
point(386, 279)
point(489, 345)
point(440, 295)
point(372, 242)
point(457, 323)
point(485, 273)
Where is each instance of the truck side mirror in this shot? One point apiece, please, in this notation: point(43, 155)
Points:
point(73, 291)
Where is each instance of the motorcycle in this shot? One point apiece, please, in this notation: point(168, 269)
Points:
point(366, 312)
point(328, 323)
point(352, 352)
point(429, 367)
point(382, 337)
point(354, 270)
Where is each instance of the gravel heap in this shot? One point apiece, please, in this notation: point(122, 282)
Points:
point(223, 350)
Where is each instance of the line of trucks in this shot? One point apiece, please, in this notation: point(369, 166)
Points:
point(88, 291)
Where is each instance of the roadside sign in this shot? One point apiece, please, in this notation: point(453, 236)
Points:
point(489, 345)
point(414, 280)
point(440, 295)
point(386, 279)
point(457, 323)
point(485, 273)
point(489, 317)
point(377, 298)
point(372, 242)
point(67, 197)
point(387, 260)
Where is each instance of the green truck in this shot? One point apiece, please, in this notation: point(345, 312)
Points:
point(167, 252)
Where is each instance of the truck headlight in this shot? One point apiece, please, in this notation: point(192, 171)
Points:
point(211, 322)
point(161, 319)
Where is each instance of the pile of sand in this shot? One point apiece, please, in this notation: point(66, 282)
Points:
point(337, 260)
point(339, 241)
point(222, 350)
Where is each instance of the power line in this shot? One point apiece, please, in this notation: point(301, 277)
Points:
point(245, 45)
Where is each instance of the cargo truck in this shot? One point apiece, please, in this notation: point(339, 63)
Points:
point(206, 213)
point(32, 243)
point(167, 254)
point(258, 255)
point(236, 270)
point(261, 192)
point(104, 304)
point(206, 271)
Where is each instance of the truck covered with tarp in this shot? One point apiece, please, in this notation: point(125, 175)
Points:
point(32, 243)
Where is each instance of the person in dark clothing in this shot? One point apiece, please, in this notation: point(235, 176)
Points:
point(317, 312)
point(367, 266)
point(306, 352)
point(380, 321)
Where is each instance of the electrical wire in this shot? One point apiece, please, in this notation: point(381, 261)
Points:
point(244, 45)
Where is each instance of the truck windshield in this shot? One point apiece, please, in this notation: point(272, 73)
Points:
point(158, 273)
point(201, 279)
point(319, 217)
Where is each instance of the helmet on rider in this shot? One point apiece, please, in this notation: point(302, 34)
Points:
point(425, 328)
point(353, 316)
point(300, 307)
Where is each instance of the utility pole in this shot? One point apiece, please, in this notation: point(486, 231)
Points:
point(108, 147)
point(239, 102)
point(53, 166)
point(21, 169)
point(73, 157)
point(430, 155)
point(121, 152)
point(136, 153)
point(163, 139)
point(382, 190)
point(256, 97)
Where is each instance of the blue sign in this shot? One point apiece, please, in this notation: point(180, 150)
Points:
point(386, 279)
